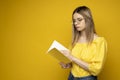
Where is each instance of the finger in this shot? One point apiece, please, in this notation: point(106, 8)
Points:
point(63, 67)
point(61, 63)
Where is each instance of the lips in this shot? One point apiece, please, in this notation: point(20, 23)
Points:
point(77, 27)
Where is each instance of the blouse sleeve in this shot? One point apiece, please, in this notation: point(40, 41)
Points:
point(96, 64)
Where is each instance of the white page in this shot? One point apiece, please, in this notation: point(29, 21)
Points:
point(57, 45)
point(55, 51)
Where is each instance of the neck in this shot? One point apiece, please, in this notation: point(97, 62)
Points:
point(83, 34)
point(82, 37)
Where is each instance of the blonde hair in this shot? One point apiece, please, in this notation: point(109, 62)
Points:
point(89, 23)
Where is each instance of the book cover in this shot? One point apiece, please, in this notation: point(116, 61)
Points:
point(55, 51)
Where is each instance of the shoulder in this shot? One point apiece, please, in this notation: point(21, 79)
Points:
point(99, 39)
point(95, 37)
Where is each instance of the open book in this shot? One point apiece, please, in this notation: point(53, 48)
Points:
point(55, 51)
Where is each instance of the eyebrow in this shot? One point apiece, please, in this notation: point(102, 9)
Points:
point(77, 18)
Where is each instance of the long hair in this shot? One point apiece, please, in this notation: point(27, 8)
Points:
point(89, 23)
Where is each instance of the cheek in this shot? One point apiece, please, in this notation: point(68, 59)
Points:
point(83, 24)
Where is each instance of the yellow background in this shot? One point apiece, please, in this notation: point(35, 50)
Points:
point(27, 28)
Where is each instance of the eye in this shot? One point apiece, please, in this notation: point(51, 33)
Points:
point(73, 21)
point(79, 19)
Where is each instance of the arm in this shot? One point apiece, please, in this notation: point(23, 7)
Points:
point(79, 62)
point(95, 65)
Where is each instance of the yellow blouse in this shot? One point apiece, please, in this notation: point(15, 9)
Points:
point(93, 54)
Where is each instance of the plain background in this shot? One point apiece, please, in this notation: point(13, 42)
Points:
point(27, 28)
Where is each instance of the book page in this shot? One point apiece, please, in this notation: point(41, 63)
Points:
point(55, 49)
point(57, 45)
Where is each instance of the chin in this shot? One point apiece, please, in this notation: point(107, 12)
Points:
point(80, 29)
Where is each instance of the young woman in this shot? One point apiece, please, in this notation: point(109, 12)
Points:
point(88, 49)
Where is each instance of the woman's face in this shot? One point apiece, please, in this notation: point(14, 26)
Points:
point(79, 22)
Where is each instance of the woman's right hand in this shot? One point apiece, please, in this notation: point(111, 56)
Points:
point(64, 65)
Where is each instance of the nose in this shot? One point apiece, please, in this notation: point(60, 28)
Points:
point(75, 23)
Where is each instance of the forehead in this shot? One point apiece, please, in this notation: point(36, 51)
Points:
point(77, 15)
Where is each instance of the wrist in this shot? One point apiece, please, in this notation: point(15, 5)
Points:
point(70, 57)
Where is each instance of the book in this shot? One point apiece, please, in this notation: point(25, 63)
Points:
point(55, 51)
